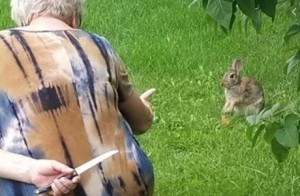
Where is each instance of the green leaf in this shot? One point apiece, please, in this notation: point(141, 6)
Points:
point(290, 106)
point(220, 11)
point(247, 7)
point(293, 30)
point(204, 4)
point(254, 119)
point(292, 2)
point(267, 114)
point(257, 133)
point(292, 62)
point(275, 107)
point(298, 83)
point(279, 151)
point(270, 112)
point(232, 18)
point(270, 131)
point(251, 119)
point(257, 21)
point(291, 119)
point(268, 7)
point(233, 15)
point(288, 135)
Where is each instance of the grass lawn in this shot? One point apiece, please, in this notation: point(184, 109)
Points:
point(179, 51)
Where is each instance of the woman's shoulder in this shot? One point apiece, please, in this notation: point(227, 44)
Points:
point(5, 32)
point(98, 38)
point(102, 42)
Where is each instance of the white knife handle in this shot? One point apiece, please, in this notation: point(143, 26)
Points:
point(47, 188)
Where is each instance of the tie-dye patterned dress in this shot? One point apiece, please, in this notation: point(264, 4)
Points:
point(59, 95)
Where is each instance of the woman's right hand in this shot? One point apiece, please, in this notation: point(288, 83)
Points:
point(137, 111)
point(44, 172)
point(145, 96)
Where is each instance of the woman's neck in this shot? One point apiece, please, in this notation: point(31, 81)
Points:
point(46, 23)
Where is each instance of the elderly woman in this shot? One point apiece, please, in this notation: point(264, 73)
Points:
point(65, 98)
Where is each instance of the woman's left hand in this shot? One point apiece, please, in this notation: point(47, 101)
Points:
point(44, 172)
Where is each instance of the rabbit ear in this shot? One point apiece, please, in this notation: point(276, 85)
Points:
point(237, 65)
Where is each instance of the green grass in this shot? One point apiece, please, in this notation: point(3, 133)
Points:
point(181, 53)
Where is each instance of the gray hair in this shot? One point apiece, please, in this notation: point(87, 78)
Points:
point(23, 11)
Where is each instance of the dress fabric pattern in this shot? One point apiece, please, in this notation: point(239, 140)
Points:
point(59, 95)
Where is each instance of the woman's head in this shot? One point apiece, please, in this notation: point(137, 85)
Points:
point(24, 11)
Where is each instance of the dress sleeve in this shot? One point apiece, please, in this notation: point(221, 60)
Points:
point(125, 87)
point(121, 81)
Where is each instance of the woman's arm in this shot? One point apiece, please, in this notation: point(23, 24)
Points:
point(38, 172)
point(15, 167)
point(137, 111)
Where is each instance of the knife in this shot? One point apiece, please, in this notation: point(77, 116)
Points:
point(79, 170)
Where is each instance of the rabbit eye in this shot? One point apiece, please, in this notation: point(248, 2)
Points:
point(231, 76)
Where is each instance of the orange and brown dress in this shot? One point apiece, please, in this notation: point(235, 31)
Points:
point(59, 95)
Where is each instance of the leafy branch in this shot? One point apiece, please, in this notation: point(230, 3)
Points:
point(280, 128)
point(291, 63)
point(224, 11)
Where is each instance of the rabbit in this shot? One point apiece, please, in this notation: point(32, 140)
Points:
point(243, 95)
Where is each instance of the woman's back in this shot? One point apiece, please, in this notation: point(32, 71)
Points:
point(61, 102)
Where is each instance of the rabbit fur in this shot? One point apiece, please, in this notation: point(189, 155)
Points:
point(243, 94)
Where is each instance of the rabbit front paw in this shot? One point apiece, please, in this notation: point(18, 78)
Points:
point(228, 107)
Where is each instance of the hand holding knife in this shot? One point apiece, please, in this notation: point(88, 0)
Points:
point(79, 170)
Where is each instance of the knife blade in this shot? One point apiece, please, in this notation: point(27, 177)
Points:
point(79, 170)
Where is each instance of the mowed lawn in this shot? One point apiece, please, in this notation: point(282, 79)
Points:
point(181, 52)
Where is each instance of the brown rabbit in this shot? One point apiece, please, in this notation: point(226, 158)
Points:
point(243, 95)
